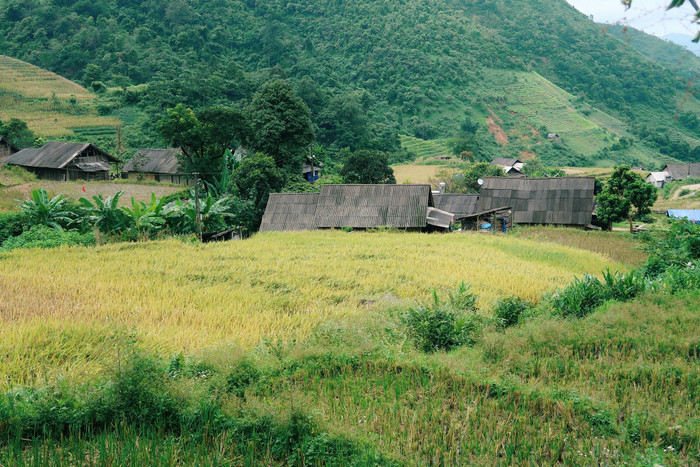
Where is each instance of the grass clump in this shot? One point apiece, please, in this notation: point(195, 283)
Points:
point(41, 236)
point(444, 325)
point(509, 311)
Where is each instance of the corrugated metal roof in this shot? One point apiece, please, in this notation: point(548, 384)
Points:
point(460, 205)
point(566, 201)
point(289, 211)
point(505, 161)
point(682, 171)
point(157, 161)
point(53, 155)
point(692, 215)
point(368, 206)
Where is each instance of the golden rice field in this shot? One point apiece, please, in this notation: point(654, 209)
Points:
point(413, 173)
point(67, 310)
point(27, 80)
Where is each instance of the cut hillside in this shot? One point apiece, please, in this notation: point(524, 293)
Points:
point(52, 106)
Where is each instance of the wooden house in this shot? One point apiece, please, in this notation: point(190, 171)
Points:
point(65, 161)
point(659, 179)
point(511, 166)
point(158, 165)
point(6, 149)
point(683, 171)
point(561, 201)
point(408, 207)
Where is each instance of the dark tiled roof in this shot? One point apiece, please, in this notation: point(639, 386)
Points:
point(368, 206)
point(682, 171)
point(564, 201)
point(157, 161)
point(54, 155)
point(290, 211)
point(460, 205)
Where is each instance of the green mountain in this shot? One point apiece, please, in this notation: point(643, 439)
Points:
point(489, 77)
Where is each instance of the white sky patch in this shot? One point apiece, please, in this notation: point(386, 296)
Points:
point(649, 16)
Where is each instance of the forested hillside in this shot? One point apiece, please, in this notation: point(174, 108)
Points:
point(370, 70)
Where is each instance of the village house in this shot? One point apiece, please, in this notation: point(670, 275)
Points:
point(158, 165)
point(65, 161)
point(406, 207)
point(6, 149)
point(511, 166)
point(683, 171)
point(565, 201)
point(659, 179)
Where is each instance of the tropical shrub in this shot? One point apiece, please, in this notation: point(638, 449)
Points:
point(40, 210)
point(11, 225)
point(580, 298)
point(508, 311)
point(444, 326)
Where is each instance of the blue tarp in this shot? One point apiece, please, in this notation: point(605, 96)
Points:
point(691, 214)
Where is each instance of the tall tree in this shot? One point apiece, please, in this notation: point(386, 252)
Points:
point(625, 196)
point(254, 179)
point(281, 125)
point(204, 137)
point(367, 167)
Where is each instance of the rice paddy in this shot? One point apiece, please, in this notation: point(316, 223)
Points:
point(63, 310)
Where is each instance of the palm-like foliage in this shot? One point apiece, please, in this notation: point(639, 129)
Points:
point(182, 215)
point(144, 219)
point(40, 210)
point(105, 213)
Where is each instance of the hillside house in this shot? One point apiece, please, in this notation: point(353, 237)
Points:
point(159, 165)
point(683, 171)
point(408, 207)
point(562, 201)
point(511, 166)
point(6, 149)
point(65, 161)
point(659, 179)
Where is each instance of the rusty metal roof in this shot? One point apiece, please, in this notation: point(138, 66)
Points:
point(564, 201)
point(157, 161)
point(54, 155)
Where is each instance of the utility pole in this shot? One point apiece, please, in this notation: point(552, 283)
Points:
point(198, 213)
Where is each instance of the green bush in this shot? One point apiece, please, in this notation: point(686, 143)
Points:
point(509, 310)
point(580, 298)
point(11, 225)
point(623, 287)
point(444, 326)
point(41, 236)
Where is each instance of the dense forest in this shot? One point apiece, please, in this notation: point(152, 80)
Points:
point(368, 70)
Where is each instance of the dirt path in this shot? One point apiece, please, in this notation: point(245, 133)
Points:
point(677, 194)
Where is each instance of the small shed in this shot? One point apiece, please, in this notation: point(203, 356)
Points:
point(693, 215)
point(290, 211)
point(311, 173)
point(461, 205)
point(683, 171)
point(159, 165)
point(6, 149)
point(65, 161)
point(561, 201)
point(659, 179)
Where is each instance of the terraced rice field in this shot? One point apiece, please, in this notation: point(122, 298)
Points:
point(51, 105)
point(424, 148)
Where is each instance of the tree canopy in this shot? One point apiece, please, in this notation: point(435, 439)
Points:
point(625, 196)
point(367, 166)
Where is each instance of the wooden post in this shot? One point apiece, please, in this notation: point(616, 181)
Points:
point(198, 214)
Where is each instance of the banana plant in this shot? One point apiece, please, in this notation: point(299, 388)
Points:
point(182, 215)
point(143, 219)
point(105, 213)
point(40, 210)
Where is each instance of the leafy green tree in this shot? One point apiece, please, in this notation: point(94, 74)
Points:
point(16, 132)
point(468, 182)
point(281, 125)
point(254, 179)
point(367, 166)
point(625, 196)
point(204, 137)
